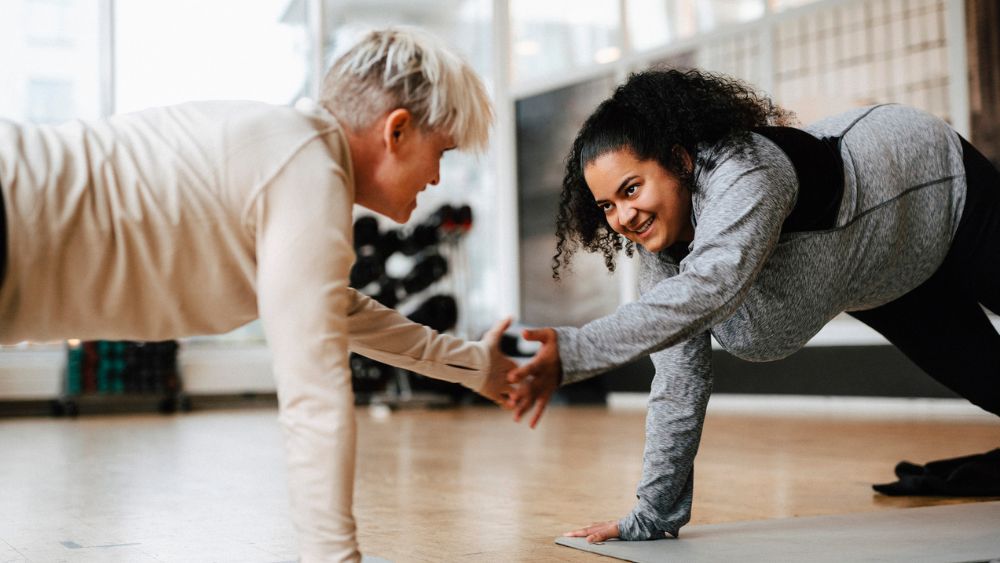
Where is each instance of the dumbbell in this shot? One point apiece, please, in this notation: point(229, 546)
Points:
point(463, 219)
point(366, 269)
point(387, 292)
point(439, 312)
point(422, 236)
point(388, 243)
point(366, 232)
point(425, 272)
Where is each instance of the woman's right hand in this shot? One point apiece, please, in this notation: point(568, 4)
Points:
point(535, 381)
point(597, 532)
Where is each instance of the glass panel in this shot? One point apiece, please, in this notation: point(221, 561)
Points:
point(655, 23)
point(835, 58)
point(466, 26)
point(49, 60)
point(556, 36)
point(737, 55)
point(713, 14)
point(546, 126)
point(172, 51)
point(779, 5)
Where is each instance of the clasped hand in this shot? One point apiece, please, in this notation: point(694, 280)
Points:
point(536, 380)
point(527, 386)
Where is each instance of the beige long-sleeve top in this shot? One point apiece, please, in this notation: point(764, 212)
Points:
point(195, 219)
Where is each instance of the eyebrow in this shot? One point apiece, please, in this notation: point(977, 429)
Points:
point(621, 186)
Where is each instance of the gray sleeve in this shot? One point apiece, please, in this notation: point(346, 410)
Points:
point(743, 200)
point(677, 402)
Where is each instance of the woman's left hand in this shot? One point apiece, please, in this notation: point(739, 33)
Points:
point(537, 379)
point(596, 532)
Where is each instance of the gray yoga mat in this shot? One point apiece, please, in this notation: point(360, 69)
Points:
point(951, 533)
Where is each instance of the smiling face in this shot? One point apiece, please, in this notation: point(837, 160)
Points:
point(416, 165)
point(641, 200)
point(394, 161)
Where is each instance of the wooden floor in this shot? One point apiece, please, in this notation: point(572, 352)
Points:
point(456, 485)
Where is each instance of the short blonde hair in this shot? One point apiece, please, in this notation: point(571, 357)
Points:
point(404, 67)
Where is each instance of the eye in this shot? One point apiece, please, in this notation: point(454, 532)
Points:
point(631, 190)
point(605, 207)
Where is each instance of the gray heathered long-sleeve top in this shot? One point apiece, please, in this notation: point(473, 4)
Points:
point(764, 294)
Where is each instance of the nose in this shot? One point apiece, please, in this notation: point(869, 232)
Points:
point(626, 214)
point(437, 174)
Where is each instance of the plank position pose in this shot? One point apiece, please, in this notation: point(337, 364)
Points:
point(759, 233)
point(197, 218)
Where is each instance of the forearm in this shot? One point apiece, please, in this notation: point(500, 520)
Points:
point(319, 428)
point(676, 412)
point(385, 335)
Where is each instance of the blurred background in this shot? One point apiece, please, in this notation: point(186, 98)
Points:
point(547, 65)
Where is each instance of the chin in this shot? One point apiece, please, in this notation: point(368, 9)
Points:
point(654, 247)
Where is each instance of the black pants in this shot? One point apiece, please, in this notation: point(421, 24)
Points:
point(940, 324)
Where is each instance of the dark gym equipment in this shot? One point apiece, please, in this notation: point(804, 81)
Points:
point(425, 272)
point(387, 292)
point(388, 244)
point(366, 269)
point(368, 376)
point(419, 239)
point(108, 374)
point(439, 312)
point(374, 381)
point(365, 232)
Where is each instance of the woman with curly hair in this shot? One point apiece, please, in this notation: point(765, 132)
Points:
point(759, 233)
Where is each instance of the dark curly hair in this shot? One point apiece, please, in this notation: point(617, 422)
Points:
point(652, 114)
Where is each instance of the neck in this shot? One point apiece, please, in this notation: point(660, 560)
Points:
point(363, 158)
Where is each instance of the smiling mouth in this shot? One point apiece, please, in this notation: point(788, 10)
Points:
point(644, 227)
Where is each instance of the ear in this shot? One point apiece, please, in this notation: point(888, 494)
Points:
point(685, 157)
point(397, 128)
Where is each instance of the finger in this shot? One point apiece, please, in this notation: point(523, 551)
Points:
point(518, 374)
point(523, 406)
point(542, 402)
point(582, 532)
point(593, 528)
point(493, 334)
point(536, 335)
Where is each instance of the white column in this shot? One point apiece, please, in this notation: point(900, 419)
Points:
point(106, 56)
point(506, 245)
point(316, 24)
point(958, 63)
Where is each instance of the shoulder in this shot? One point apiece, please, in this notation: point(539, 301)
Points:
point(753, 160)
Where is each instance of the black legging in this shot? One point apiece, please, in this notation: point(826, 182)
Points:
point(940, 324)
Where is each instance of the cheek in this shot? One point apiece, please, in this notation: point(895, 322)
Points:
point(611, 220)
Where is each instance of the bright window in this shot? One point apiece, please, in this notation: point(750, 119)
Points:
point(49, 60)
point(172, 51)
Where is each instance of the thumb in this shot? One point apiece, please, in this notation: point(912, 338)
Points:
point(537, 335)
point(493, 335)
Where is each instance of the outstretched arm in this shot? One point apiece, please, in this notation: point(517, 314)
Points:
point(385, 335)
point(742, 203)
point(676, 413)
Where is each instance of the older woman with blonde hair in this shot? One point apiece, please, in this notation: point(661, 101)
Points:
point(197, 218)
